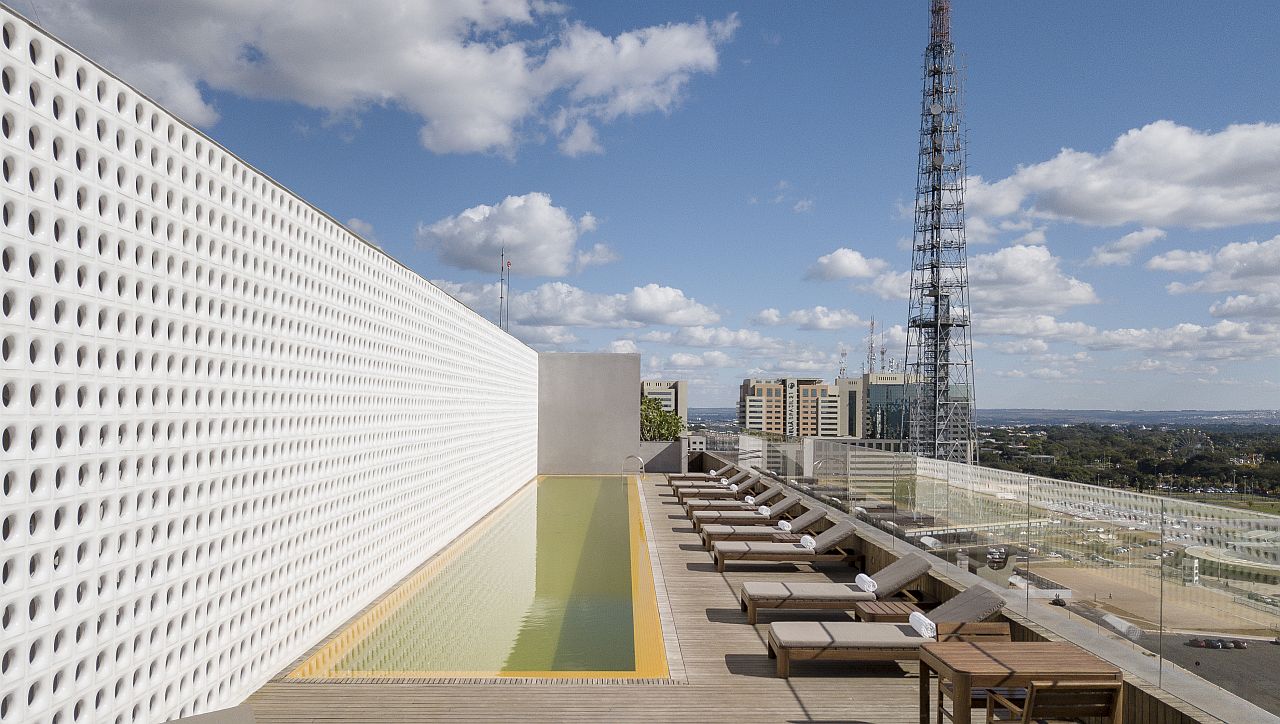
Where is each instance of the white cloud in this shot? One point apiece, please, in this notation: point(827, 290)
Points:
point(845, 263)
point(1120, 252)
point(583, 139)
point(1263, 306)
point(890, 285)
point(1252, 266)
point(1162, 174)
point(1041, 326)
point(1023, 278)
point(597, 255)
point(803, 206)
point(622, 346)
point(1181, 261)
point(687, 360)
point(478, 74)
point(1155, 365)
point(800, 361)
point(813, 318)
point(363, 229)
point(557, 304)
point(1023, 346)
point(540, 239)
point(1223, 340)
point(719, 337)
point(548, 337)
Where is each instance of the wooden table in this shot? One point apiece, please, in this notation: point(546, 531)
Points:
point(885, 611)
point(992, 664)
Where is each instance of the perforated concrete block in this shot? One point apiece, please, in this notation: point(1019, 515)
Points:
point(226, 423)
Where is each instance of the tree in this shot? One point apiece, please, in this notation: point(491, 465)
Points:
point(656, 423)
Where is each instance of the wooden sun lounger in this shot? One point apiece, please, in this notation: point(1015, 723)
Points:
point(775, 512)
point(829, 547)
point(959, 619)
point(736, 478)
point(771, 492)
point(751, 486)
point(891, 581)
point(800, 525)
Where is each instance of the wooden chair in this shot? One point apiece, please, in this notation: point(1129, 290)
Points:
point(1060, 701)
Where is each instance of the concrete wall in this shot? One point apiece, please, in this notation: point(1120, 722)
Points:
point(663, 456)
point(228, 423)
point(588, 412)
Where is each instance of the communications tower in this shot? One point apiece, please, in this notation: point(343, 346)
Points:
point(939, 363)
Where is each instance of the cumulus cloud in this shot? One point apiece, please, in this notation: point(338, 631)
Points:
point(719, 337)
point(1252, 266)
point(363, 229)
point(622, 346)
point(1162, 174)
point(818, 317)
point(845, 263)
point(597, 255)
point(890, 285)
point(557, 304)
point(1023, 347)
point(1181, 261)
point(1264, 306)
point(1024, 278)
point(688, 360)
point(478, 74)
point(1225, 339)
point(1120, 252)
point(803, 206)
point(541, 239)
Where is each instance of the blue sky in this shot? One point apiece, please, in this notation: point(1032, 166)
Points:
point(722, 186)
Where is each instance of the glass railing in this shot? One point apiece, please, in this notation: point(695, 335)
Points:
point(1164, 576)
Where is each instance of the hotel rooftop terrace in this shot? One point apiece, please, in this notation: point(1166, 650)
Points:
point(254, 468)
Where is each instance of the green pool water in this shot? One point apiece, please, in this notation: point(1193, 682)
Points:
point(545, 584)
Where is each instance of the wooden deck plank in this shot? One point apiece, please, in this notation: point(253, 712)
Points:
point(723, 660)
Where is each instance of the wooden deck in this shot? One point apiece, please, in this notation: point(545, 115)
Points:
point(721, 671)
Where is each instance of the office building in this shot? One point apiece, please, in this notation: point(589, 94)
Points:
point(792, 406)
point(672, 394)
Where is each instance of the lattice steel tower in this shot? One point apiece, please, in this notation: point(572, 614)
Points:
point(939, 421)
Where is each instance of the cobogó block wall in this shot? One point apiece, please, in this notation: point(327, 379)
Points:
point(226, 423)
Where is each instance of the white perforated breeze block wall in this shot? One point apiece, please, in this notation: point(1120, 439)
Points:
point(228, 424)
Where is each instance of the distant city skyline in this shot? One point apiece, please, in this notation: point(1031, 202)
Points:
point(726, 187)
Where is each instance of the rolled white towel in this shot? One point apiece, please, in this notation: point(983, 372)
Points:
point(784, 526)
point(807, 541)
point(751, 499)
point(714, 472)
point(866, 583)
point(763, 510)
point(733, 488)
point(725, 481)
point(923, 625)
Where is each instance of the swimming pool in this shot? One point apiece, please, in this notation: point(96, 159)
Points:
point(555, 583)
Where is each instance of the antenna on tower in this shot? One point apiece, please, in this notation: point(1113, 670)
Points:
point(939, 421)
point(843, 372)
point(871, 347)
point(502, 283)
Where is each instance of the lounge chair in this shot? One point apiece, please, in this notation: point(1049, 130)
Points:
point(738, 477)
point(740, 489)
point(960, 619)
point(750, 501)
point(771, 516)
point(829, 545)
point(713, 474)
point(890, 581)
point(795, 526)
